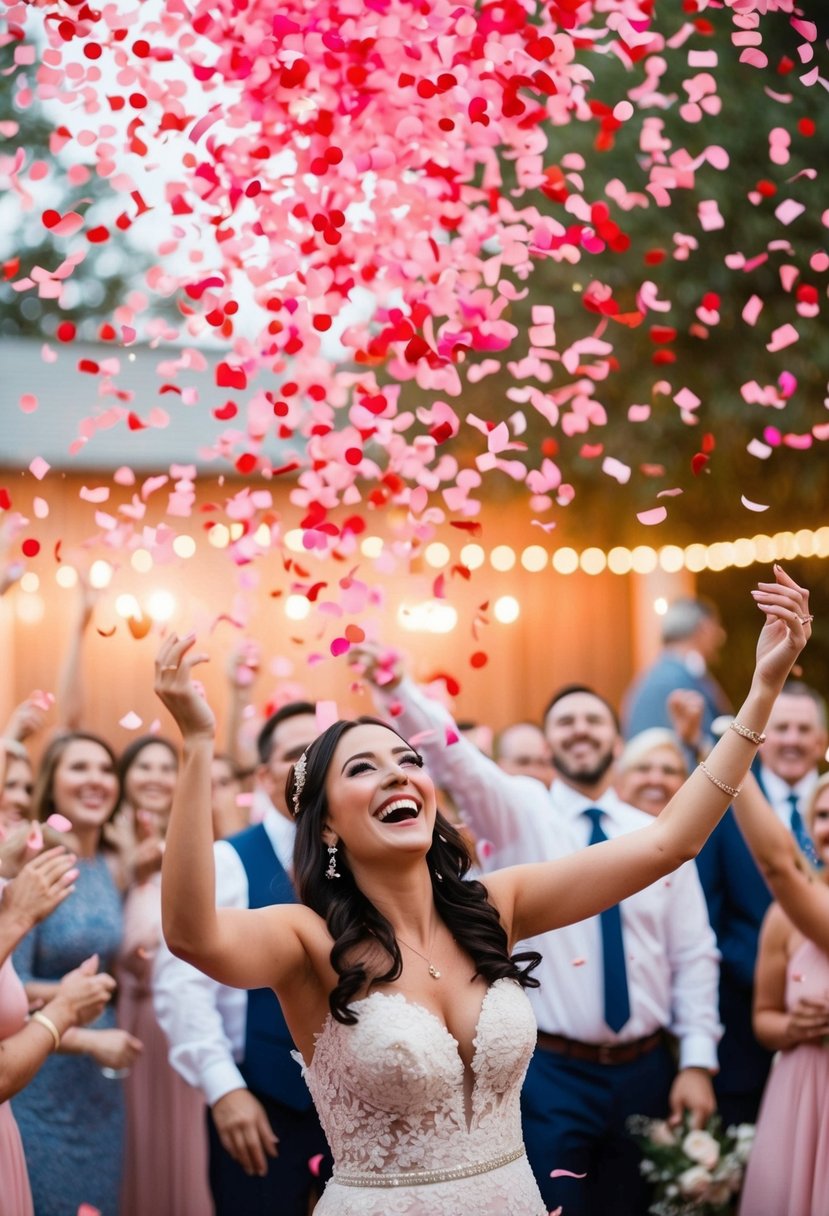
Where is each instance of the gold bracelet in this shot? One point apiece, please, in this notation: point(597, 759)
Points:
point(755, 736)
point(721, 785)
point(47, 1024)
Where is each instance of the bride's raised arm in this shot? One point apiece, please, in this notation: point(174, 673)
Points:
point(538, 898)
point(243, 948)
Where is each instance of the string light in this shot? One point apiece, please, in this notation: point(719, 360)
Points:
point(506, 609)
point(437, 555)
point(432, 616)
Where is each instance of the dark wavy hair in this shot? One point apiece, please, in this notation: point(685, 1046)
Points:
point(352, 919)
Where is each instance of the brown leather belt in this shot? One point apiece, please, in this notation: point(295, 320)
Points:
point(601, 1053)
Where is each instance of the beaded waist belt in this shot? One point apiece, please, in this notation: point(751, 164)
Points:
point(424, 1177)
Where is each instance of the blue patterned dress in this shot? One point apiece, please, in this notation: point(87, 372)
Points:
point(71, 1117)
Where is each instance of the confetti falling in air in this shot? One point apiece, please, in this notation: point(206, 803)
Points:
point(366, 209)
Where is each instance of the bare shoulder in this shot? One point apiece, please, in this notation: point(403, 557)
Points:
point(777, 928)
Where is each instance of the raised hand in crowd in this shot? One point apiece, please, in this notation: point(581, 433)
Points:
point(28, 717)
point(686, 708)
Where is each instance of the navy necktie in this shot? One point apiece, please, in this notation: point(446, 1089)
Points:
point(804, 840)
point(616, 995)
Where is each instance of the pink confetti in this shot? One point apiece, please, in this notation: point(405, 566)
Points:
point(783, 336)
point(39, 468)
point(656, 515)
point(59, 822)
point(130, 721)
point(753, 506)
point(326, 714)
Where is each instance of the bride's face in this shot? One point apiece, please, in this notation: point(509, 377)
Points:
point(381, 802)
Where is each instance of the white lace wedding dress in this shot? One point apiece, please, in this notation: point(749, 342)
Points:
point(390, 1094)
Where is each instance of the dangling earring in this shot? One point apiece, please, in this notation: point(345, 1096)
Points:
point(331, 872)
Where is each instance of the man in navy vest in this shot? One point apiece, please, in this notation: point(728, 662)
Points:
point(738, 897)
point(268, 1153)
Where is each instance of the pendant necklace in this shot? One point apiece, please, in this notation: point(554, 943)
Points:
point(433, 971)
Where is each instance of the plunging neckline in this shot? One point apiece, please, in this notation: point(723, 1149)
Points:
point(469, 1071)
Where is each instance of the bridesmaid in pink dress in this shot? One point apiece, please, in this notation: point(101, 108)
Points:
point(788, 1174)
point(165, 1163)
point(17, 1197)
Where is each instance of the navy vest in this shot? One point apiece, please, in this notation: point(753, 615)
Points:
point(267, 1066)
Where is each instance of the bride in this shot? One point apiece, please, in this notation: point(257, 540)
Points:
point(394, 972)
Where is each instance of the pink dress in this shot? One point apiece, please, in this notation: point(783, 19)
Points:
point(165, 1153)
point(15, 1194)
point(788, 1174)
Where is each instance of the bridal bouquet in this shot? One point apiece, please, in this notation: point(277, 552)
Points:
point(692, 1172)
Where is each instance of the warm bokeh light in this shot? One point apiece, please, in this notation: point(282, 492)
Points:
point(29, 582)
point(619, 560)
point(293, 540)
point(535, 558)
point(127, 606)
point(502, 558)
point(371, 546)
point(565, 561)
point(161, 605)
point(184, 546)
point(593, 561)
point(643, 559)
point(671, 559)
point(432, 616)
point(219, 536)
point(297, 607)
point(142, 561)
point(506, 609)
point(66, 576)
point(660, 605)
point(437, 555)
point(472, 556)
point(100, 575)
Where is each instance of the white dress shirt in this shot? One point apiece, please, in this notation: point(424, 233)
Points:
point(671, 954)
point(204, 1021)
point(778, 792)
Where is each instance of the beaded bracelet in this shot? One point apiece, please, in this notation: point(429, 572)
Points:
point(47, 1024)
point(721, 785)
point(753, 735)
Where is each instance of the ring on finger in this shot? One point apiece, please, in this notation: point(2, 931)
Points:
point(804, 620)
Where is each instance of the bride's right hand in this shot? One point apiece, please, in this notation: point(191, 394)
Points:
point(176, 689)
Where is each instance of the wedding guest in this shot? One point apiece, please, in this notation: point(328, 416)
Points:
point(165, 1145)
point(234, 1046)
point(17, 786)
point(603, 1051)
point(522, 749)
point(788, 1173)
point(71, 1116)
point(692, 638)
point(737, 896)
point(231, 802)
point(650, 769)
point(415, 1060)
point(33, 894)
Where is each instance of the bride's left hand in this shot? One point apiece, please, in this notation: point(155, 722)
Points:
point(176, 689)
point(787, 629)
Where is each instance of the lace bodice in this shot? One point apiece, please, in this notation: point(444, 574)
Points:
point(390, 1095)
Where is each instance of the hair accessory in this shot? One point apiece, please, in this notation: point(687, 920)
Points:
point(47, 1024)
point(753, 735)
point(721, 785)
point(299, 781)
point(331, 872)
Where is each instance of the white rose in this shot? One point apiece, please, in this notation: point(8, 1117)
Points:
point(694, 1182)
point(702, 1147)
point(660, 1134)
